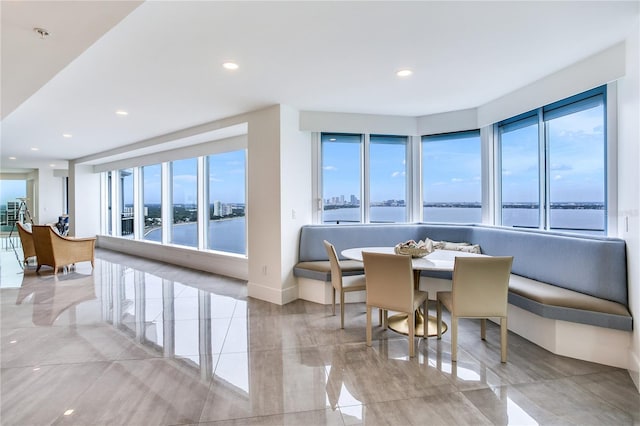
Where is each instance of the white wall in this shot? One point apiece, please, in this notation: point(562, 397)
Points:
point(446, 122)
point(50, 196)
point(629, 182)
point(295, 195)
point(84, 200)
point(592, 72)
point(263, 206)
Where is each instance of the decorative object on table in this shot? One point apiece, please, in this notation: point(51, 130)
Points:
point(414, 249)
point(448, 245)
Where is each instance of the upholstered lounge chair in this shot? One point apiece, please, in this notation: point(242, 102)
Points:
point(26, 239)
point(58, 251)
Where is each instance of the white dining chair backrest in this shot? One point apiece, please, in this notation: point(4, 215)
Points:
point(389, 281)
point(480, 286)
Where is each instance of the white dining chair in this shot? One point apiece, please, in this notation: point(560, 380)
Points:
point(479, 290)
point(390, 287)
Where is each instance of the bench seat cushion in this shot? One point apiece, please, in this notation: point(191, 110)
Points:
point(559, 303)
point(321, 269)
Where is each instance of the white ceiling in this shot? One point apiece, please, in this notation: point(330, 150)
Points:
point(161, 62)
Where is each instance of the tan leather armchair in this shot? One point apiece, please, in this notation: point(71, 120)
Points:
point(340, 283)
point(479, 290)
point(26, 239)
point(390, 286)
point(57, 251)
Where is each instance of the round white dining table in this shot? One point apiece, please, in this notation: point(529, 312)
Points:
point(438, 260)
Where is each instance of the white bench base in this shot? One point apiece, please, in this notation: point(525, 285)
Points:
point(574, 340)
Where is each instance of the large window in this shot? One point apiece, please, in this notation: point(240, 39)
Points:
point(341, 177)
point(227, 225)
point(451, 184)
point(184, 195)
point(169, 199)
point(152, 202)
point(553, 173)
point(388, 178)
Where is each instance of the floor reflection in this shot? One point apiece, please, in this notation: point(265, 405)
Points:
point(188, 347)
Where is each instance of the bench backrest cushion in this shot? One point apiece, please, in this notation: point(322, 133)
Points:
point(590, 265)
point(349, 236)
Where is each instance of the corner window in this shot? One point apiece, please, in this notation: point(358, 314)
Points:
point(553, 166)
point(341, 177)
point(387, 179)
point(451, 178)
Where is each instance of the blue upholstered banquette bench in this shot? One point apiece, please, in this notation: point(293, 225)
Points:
point(580, 279)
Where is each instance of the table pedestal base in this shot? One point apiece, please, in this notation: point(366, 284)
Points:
point(399, 323)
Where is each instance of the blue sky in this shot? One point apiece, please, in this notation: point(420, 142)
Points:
point(226, 180)
point(10, 190)
point(451, 168)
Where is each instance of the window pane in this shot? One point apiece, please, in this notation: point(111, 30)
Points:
point(10, 191)
point(388, 178)
point(152, 199)
point(341, 177)
point(227, 225)
point(520, 174)
point(184, 181)
point(451, 173)
point(126, 202)
point(577, 171)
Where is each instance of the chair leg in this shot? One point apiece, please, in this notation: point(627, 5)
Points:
point(385, 319)
point(412, 334)
point(483, 329)
point(439, 318)
point(454, 338)
point(368, 325)
point(341, 309)
point(503, 339)
point(333, 300)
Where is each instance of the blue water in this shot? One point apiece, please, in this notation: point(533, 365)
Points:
point(224, 235)
point(589, 221)
point(230, 235)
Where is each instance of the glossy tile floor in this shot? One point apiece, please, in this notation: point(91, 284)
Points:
point(137, 342)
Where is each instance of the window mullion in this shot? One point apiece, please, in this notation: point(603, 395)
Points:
point(545, 169)
point(414, 179)
point(166, 202)
point(203, 202)
point(365, 186)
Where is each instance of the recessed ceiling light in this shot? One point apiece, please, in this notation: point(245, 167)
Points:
point(52, 165)
point(68, 412)
point(67, 135)
point(12, 158)
point(35, 149)
point(122, 112)
point(404, 73)
point(332, 140)
point(230, 66)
